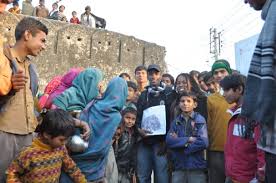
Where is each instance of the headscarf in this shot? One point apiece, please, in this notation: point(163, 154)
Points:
point(84, 88)
point(103, 117)
point(65, 83)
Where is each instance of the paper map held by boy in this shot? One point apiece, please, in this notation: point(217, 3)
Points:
point(154, 120)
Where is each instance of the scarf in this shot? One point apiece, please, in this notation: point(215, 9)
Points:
point(84, 88)
point(103, 117)
point(51, 86)
point(260, 93)
point(65, 83)
point(155, 90)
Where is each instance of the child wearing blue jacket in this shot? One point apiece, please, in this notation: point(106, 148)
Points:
point(187, 139)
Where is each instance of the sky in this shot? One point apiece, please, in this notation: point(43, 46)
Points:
point(182, 27)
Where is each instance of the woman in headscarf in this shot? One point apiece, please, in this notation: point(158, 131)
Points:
point(85, 88)
point(65, 83)
point(103, 116)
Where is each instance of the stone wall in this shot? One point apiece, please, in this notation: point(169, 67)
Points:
point(78, 46)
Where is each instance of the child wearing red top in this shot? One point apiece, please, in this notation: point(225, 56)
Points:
point(74, 19)
point(244, 162)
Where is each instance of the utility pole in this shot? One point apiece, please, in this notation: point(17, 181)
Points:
point(215, 43)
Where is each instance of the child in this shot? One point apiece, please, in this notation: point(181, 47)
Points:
point(15, 9)
point(168, 80)
point(243, 160)
point(124, 145)
point(187, 139)
point(211, 83)
point(74, 19)
point(43, 160)
point(131, 97)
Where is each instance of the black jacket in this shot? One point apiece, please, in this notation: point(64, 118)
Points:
point(125, 151)
point(147, 100)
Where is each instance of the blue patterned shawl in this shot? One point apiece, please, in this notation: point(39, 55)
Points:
point(103, 117)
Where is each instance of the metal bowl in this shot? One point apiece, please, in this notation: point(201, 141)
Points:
point(76, 144)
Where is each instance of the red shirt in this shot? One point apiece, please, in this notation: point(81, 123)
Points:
point(74, 20)
point(242, 157)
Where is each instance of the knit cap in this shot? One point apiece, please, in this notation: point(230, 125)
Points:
point(221, 64)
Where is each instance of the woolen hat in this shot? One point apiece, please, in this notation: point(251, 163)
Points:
point(221, 64)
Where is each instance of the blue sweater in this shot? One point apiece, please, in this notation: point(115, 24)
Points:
point(185, 155)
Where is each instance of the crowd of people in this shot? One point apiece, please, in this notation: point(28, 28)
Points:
point(58, 13)
point(214, 126)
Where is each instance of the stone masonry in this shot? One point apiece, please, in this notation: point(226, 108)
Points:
point(71, 45)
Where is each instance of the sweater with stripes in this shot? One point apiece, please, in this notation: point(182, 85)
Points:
point(41, 163)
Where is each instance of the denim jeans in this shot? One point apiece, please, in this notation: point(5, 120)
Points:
point(189, 176)
point(148, 161)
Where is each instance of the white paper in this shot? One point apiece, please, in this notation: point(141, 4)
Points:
point(154, 120)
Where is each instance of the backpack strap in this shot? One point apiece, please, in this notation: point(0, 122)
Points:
point(33, 79)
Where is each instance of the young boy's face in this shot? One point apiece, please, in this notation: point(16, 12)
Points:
point(187, 104)
point(35, 44)
point(141, 76)
point(202, 84)
point(232, 96)
point(131, 94)
point(58, 141)
point(129, 119)
point(167, 81)
point(213, 87)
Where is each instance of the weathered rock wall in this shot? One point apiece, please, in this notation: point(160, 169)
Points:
point(78, 46)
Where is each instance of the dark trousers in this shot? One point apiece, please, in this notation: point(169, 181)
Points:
point(270, 168)
point(216, 167)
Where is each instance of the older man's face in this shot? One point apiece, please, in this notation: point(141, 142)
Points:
point(256, 4)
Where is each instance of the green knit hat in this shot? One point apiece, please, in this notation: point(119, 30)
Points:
point(221, 64)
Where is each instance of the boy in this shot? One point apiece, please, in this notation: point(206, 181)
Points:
point(243, 160)
point(141, 78)
point(168, 80)
point(15, 9)
point(131, 98)
point(43, 160)
point(187, 139)
point(212, 84)
point(124, 146)
point(74, 19)
point(201, 82)
point(19, 87)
